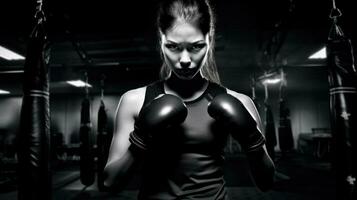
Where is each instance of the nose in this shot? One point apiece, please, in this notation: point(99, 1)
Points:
point(185, 64)
point(185, 60)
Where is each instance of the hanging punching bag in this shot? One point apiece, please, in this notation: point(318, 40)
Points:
point(87, 165)
point(33, 138)
point(343, 98)
point(286, 140)
point(103, 144)
point(270, 135)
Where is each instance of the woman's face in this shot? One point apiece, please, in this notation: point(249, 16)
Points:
point(185, 49)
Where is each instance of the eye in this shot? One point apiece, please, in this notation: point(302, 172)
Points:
point(172, 47)
point(197, 47)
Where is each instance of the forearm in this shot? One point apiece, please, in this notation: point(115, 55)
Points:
point(262, 168)
point(118, 172)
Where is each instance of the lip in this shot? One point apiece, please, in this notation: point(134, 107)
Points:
point(186, 71)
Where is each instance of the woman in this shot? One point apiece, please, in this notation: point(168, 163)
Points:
point(178, 126)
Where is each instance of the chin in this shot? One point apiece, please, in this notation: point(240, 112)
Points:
point(186, 76)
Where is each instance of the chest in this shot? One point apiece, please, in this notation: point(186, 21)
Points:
point(199, 127)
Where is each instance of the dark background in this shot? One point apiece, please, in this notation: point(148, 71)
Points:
point(120, 42)
point(119, 39)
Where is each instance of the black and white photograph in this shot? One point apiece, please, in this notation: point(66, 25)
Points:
point(178, 100)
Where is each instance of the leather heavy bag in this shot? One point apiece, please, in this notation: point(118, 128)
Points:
point(87, 164)
point(270, 134)
point(103, 144)
point(33, 138)
point(342, 82)
point(286, 140)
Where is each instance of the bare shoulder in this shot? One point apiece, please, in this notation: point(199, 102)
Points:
point(249, 105)
point(246, 100)
point(134, 94)
point(132, 100)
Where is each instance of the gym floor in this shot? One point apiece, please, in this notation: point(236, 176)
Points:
point(298, 177)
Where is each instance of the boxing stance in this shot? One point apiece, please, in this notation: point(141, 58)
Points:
point(168, 112)
point(176, 128)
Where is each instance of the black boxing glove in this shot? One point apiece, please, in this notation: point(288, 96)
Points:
point(229, 111)
point(161, 113)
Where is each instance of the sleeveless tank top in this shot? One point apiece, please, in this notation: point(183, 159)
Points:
point(187, 161)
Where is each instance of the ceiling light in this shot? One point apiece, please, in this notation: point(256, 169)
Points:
point(320, 54)
point(12, 72)
point(78, 83)
point(10, 55)
point(271, 81)
point(4, 92)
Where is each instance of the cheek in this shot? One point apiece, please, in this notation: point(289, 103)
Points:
point(198, 57)
point(170, 57)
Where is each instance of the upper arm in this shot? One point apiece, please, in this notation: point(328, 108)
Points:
point(262, 167)
point(250, 106)
point(128, 108)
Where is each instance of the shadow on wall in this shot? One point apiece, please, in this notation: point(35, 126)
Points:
point(65, 115)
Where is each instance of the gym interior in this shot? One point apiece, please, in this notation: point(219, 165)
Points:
point(263, 49)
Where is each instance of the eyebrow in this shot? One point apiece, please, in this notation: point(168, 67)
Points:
point(195, 42)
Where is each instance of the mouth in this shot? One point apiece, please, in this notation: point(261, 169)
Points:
point(186, 71)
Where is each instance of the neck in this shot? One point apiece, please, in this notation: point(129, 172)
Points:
point(186, 89)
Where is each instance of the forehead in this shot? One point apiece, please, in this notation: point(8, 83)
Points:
point(183, 31)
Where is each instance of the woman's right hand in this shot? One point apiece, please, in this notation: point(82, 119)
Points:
point(230, 111)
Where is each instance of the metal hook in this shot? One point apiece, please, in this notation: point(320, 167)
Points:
point(335, 12)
